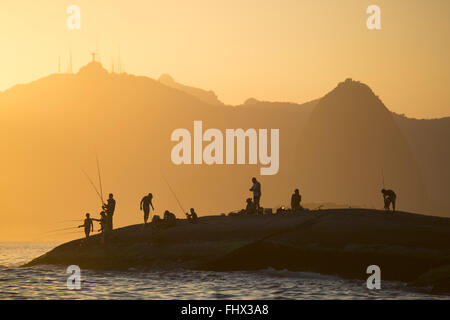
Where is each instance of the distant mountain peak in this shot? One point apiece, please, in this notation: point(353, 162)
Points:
point(352, 136)
point(251, 101)
point(352, 96)
point(93, 68)
point(350, 84)
point(166, 79)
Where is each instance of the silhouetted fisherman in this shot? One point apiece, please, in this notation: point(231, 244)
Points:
point(103, 222)
point(156, 219)
point(256, 188)
point(146, 202)
point(192, 218)
point(250, 208)
point(88, 225)
point(157, 223)
point(169, 219)
point(109, 208)
point(295, 201)
point(389, 197)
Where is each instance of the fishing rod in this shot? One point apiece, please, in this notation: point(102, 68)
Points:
point(64, 221)
point(93, 186)
point(60, 233)
point(58, 230)
point(382, 176)
point(100, 180)
point(46, 236)
point(173, 192)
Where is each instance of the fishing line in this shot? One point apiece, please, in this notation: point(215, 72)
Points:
point(100, 181)
point(61, 233)
point(57, 230)
point(55, 233)
point(64, 221)
point(93, 185)
point(173, 192)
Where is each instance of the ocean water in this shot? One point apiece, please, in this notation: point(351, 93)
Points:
point(50, 282)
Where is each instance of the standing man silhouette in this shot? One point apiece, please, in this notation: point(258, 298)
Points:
point(146, 202)
point(256, 188)
point(88, 225)
point(296, 198)
point(389, 197)
point(109, 208)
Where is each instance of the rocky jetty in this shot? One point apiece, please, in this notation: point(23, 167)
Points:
point(407, 247)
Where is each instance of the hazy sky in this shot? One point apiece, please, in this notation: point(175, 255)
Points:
point(284, 50)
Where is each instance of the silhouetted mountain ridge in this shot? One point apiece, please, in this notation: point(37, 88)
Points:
point(429, 140)
point(208, 97)
point(51, 127)
point(333, 148)
point(350, 141)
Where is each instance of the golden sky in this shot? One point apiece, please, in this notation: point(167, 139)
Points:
point(275, 50)
point(284, 50)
